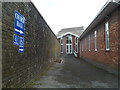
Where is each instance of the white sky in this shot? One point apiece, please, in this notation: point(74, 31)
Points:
point(61, 14)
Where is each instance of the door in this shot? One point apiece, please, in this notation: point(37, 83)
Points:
point(69, 49)
point(69, 44)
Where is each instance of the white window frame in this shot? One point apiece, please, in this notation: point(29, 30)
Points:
point(80, 48)
point(69, 44)
point(76, 43)
point(89, 42)
point(83, 45)
point(107, 44)
point(61, 44)
point(61, 39)
point(95, 40)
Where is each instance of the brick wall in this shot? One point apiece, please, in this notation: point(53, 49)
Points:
point(0, 45)
point(64, 44)
point(107, 58)
point(73, 42)
point(119, 36)
point(41, 45)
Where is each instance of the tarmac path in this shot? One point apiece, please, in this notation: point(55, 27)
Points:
point(76, 73)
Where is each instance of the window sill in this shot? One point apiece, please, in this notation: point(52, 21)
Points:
point(95, 50)
point(107, 50)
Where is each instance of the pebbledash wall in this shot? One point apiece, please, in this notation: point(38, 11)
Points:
point(106, 59)
point(41, 45)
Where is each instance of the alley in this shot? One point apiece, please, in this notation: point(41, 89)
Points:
point(38, 40)
point(76, 73)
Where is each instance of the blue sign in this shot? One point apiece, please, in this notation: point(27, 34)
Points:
point(21, 44)
point(21, 49)
point(19, 24)
point(16, 40)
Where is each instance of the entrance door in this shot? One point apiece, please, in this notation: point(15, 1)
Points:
point(69, 44)
point(69, 49)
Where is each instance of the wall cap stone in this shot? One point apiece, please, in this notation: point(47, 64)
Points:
point(15, 0)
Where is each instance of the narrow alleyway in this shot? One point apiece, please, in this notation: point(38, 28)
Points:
point(76, 73)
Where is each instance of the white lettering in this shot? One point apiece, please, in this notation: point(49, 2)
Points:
point(19, 24)
point(20, 18)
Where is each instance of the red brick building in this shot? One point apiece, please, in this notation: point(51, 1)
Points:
point(68, 43)
point(69, 39)
point(99, 43)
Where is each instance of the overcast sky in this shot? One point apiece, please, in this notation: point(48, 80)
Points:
point(61, 14)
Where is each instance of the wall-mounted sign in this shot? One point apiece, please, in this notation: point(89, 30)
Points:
point(21, 45)
point(19, 24)
point(21, 49)
point(19, 28)
point(16, 40)
point(21, 42)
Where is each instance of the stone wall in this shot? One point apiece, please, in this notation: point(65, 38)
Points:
point(41, 45)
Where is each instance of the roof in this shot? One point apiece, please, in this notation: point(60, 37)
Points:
point(67, 34)
point(104, 12)
point(74, 30)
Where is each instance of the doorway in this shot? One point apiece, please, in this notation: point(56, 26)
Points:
point(69, 44)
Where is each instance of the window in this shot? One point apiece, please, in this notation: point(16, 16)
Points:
point(61, 46)
point(61, 41)
point(82, 46)
point(76, 48)
point(76, 39)
point(95, 40)
point(70, 48)
point(76, 44)
point(107, 35)
point(89, 42)
point(69, 40)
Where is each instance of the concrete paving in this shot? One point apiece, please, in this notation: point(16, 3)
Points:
point(76, 73)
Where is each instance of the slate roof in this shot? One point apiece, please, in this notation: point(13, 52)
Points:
point(75, 30)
